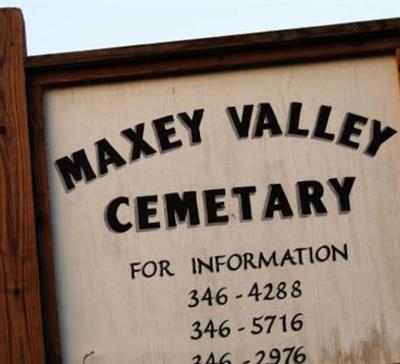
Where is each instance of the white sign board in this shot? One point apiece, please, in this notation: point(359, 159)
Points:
point(244, 217)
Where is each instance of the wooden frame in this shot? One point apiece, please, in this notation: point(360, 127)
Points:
point(139, 62)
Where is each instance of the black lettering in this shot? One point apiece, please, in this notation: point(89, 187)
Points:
point(165, 268)
point(244, 200)
point(144, 212)
point(350, 129)
point(342, 192)
point(182, 207)
point(323, 253)
point(193, 124)
point(164, 134)
point(111, 217)
point(277, 201)
point(107, 155)
point(139, 145)
point(241, 125)
point(310, 194)
point(344, 254)
point(266, 121)
point(73, 169)
point(135, 270)
point(379, 136)
point(213, 206)
point(322, 123)
point(294, 120)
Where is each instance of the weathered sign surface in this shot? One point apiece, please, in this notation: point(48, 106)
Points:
point(245, 217)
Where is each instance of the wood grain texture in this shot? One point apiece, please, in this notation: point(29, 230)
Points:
point(43, 228)
point(21, 339)
point(264, 40)
point(216, 54)
point(398, 62)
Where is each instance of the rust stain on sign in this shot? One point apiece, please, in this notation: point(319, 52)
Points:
point(372, 350)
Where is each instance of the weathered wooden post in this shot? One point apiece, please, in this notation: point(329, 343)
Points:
point(21, 334)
